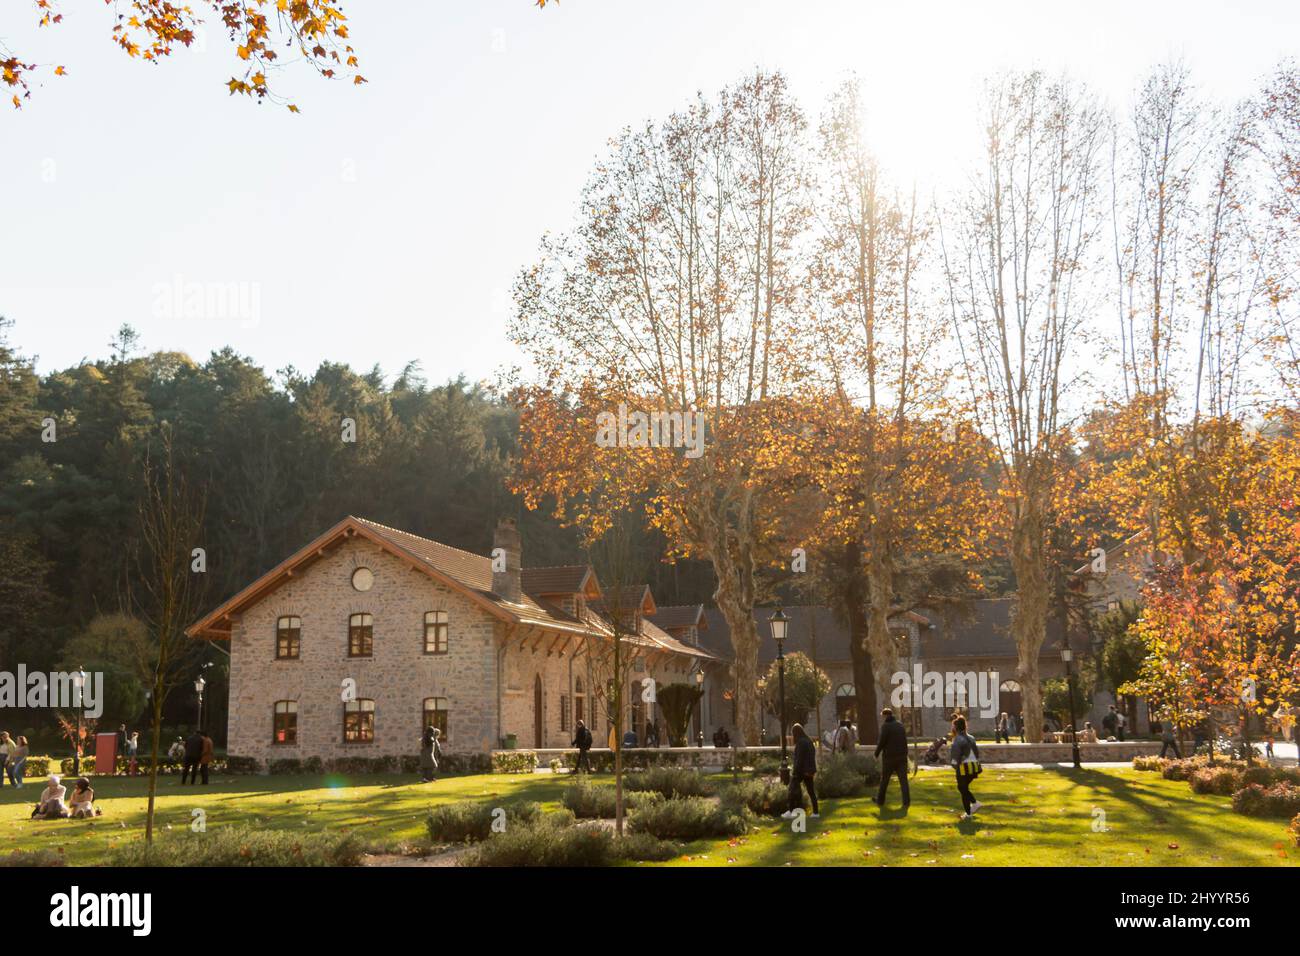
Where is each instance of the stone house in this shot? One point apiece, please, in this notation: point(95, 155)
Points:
point(355, 643)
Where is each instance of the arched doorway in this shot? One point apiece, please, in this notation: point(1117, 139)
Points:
point(537, 711)
point(1009, 700)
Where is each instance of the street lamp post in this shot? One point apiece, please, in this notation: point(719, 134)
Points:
point(699, 707)
point(1067, 655)
point(198, 689)
point(780, 623)
point(79, 681)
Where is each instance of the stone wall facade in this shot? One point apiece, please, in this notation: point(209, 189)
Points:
point(398, 677)
point(495, 680)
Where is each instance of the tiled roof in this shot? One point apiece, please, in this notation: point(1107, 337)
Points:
point(471, 573)
point(680, 615)
point(986, 632)
point(560, 579)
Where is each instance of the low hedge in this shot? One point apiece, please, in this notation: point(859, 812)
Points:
point(244, 846)
point(766, 798)
point(467, 821)
point(846, 775)
point(689, 818)
point(596, 802)
point(552, 840)
point(514, 761)
point(1279, 800)
point(672, 782)
point(452, 764)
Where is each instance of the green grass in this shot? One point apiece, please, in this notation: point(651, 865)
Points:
point(1032, 817)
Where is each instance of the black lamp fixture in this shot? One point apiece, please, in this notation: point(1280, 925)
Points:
point(780, 625)
point(1067, 656)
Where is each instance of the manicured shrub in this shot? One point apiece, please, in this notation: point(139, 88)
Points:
point(767, 798)
point(1149, 764)
point(643, 846)
point(467, 821)
point(846, 775)
point(1184, 768)
point(284, 765)
point(688, 818)
point(1221, 781)
point(591, 802)
point(1294, 828)
point(243, 764)
point(672, 782)
point(544, 842)
point(1279, 800)
point(514, 761)
point(36, 767)
point(244, 846)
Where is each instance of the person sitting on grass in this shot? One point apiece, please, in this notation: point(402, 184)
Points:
point(50, 806)
point(82, 801)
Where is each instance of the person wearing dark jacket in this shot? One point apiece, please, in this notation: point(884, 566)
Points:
point(582, 740)
point(801, 775)
point(430, 751)
point(193, 754)
point(891, 751)
point(963, 749)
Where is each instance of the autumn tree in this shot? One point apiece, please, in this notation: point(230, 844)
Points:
point(165, 590)
point(675, 294)
point(1015, 266)
point(150, 30)
point(899, 484)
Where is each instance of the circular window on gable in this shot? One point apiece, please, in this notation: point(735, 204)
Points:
point(363, 579)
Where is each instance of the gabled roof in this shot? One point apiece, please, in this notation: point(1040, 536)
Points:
point(676, 616)
point(469, 574)
point(627, 598)
point(560, 579)
point(808, 624)
point(984, 633)
point(668, 642)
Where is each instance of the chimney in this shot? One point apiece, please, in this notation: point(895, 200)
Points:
point(506, 549)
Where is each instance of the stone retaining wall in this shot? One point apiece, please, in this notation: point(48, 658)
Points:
point(1117, 752)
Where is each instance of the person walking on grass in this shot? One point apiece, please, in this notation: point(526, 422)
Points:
point(801, 776)
point(193, 751)
point(17, 761)
point(891, 751)
point(1169, 741)
point(582, 740)
point(6, 748)
point(965, 754)
point(430, 751)
point(205, 757)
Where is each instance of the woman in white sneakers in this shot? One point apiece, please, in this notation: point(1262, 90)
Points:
point(965, 755)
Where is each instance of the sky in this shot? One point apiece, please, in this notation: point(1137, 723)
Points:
point(387, 222)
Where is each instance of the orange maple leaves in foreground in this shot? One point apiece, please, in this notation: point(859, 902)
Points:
point(152, 29)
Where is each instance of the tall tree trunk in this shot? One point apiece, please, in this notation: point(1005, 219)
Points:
point(864, 676)
point(1029, 627)
point(744, 669)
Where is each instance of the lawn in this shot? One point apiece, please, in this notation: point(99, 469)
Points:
point(1032, 817)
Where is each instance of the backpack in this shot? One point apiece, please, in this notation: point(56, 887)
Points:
point(970, 764)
